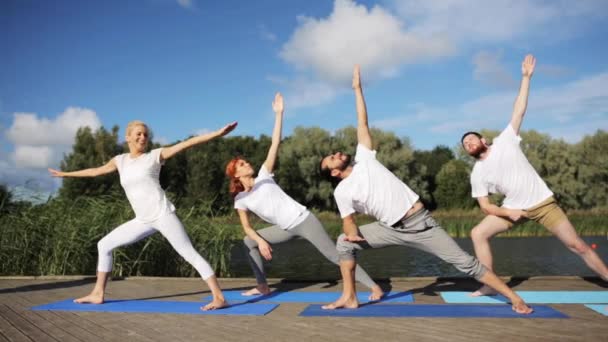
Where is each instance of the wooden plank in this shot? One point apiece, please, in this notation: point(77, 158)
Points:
point(26, 327)
point(49, 328)
point(69, 324)
point(8, 330)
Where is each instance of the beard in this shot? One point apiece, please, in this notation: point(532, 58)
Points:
point(345, 162)
point(482, 148)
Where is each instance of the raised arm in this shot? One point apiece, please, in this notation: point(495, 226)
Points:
point(168, 152)
point(521, 102)
point(363, 136)
point(277, 107)
point(109, 167)
point(263, 246)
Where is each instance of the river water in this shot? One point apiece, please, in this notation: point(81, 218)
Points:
point(530, 256)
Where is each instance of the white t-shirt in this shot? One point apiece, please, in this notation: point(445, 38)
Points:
point(506, 170)
point(373, 190)
point(139, 179)
point(267, 200)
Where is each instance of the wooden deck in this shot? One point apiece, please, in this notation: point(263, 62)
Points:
point(18, 323)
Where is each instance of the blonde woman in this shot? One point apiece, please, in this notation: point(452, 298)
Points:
point(139, 176)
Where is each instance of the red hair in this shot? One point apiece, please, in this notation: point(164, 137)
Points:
point(235, 184)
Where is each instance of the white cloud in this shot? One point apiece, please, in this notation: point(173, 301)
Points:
point(475, 21)
point(29, 129)
point(489, 69)
point(33, 156)
point(352, 34)
point(40, 142)
point(567, 111)
point(187, 4)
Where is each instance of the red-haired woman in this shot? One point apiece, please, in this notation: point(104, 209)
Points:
point(289, 219)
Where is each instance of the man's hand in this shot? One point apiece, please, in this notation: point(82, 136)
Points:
point(354, 238)
point(516, 214)
point(277, 104)
point(527, 66)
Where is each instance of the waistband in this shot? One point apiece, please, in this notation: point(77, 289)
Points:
point(415, 223)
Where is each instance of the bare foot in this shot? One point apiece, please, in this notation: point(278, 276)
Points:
point(259, 290)
point(376, 294)
point(343, 302)
point(93, 298)
point(484, 291)
point(522, 308)
point(215, 304)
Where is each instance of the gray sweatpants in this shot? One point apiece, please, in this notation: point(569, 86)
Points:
point(420, 231)
point(310, 229)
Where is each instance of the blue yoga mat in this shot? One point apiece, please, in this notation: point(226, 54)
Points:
point(313, 297)
point(149, 306)
point(533, 297)
point(601, 308)
point(433, 310)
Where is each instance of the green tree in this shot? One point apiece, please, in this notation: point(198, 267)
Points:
point(453, 186)
point(5, 198)
point(430, 162)
point(91, 149)
point(593, 169)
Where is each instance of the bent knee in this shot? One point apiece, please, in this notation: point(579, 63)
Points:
point(104, 247)
point(478, 233)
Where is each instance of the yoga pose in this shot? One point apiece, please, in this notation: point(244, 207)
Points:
point(369, 187)
point(503, 168)
point(139, 171)
point(289, 219)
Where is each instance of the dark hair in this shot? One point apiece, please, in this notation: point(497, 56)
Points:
point(325, 173)
point(469, 133)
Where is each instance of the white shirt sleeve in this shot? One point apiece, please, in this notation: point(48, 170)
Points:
point(345, 204)
point(239, 203)
point(508, 135)
point(156, 156)
point(118, 162)
point(263, 174)
point(364, 153)
point(478, 187)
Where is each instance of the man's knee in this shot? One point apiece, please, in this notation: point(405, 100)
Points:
point(470, 266)
point(346, 249)
point(478, 234)
point(578, 246)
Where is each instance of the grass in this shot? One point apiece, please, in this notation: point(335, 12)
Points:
point(60, 237)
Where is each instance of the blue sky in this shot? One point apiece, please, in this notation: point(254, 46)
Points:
point(431, 69)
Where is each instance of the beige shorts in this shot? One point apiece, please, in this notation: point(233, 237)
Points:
point(548, 213)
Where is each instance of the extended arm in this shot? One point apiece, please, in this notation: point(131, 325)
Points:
point(109, 167)
point(363, 136)
point(168, 152)
point(521, 102)
point(277, 107)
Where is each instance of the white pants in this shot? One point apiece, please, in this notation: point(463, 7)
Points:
point(168, 225)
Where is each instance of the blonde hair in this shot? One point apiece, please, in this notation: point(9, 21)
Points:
point(134, 123)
